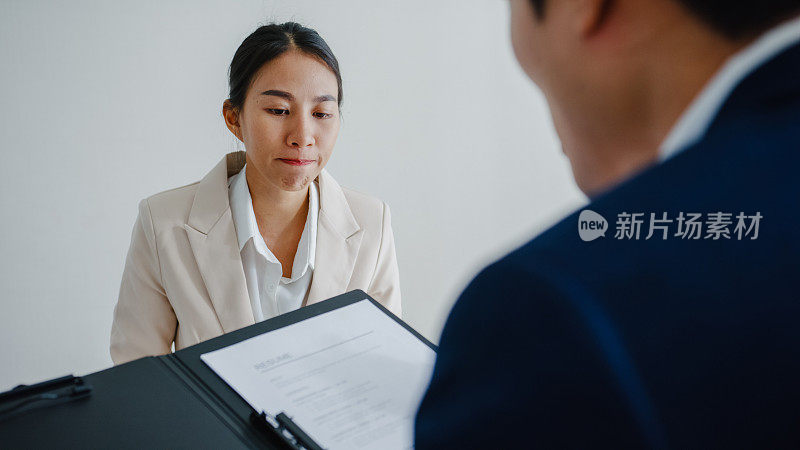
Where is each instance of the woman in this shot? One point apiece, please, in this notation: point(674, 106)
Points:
point(267, 230)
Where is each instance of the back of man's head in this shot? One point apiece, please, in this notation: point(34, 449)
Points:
point(618, 74)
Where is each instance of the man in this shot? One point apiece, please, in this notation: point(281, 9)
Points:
point(665, 314)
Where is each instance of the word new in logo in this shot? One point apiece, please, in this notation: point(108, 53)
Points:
point(591, 225)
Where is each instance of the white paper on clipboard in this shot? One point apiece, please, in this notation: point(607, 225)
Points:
point(352, 378)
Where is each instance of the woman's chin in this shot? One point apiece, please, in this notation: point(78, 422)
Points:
point(297, 181)
point(291, 177)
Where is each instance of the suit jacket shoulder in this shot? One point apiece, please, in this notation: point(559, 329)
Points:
point(171, 207)
point(367, 210)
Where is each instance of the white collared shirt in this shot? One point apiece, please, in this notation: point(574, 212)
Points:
point(695, 120)
point(271, 294)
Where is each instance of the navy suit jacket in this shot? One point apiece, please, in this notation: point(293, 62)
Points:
point(625, 343)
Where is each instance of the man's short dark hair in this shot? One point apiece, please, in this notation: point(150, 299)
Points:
point(734, 19)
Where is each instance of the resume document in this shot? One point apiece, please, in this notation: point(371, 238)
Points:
point(352, 378)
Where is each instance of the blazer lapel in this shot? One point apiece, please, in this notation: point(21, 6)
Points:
point(338, 240)
point(212, 236)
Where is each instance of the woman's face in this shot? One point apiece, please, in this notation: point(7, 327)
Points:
point(290, 120)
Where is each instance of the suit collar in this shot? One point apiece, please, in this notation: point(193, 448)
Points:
point(212, 237)
point(773, 84)
point(698, 116)
point(338, 241)
point(211, 199)
point(335, 207)
point(214, 243)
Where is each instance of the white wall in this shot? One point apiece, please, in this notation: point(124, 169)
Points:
point(104, 103)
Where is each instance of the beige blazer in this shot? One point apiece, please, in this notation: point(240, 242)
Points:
point(183, 280)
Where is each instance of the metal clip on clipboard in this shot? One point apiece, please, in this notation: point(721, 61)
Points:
point(285, 428)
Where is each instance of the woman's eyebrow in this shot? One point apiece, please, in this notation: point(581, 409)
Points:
point(324, 98)
point(290, 97)
point(281, 94)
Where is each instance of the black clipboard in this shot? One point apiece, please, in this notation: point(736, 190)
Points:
point(189, 357)
point(173, 401)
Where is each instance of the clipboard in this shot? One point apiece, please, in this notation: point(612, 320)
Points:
point(173, 401)
point(282, 427)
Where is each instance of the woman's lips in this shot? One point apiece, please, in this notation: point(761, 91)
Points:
point(296, 162)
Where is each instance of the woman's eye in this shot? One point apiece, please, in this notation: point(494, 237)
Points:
point(278, 111)
point(321, 115)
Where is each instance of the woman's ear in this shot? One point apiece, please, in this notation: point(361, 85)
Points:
point(231, 116)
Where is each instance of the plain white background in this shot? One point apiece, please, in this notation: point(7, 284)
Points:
point(105, 103)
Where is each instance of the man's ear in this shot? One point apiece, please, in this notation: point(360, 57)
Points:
point(591, 15)
point(231, 116)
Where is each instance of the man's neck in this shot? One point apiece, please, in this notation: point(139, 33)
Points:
point(621, 135)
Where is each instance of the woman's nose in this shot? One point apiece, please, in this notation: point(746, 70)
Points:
point(301, 134)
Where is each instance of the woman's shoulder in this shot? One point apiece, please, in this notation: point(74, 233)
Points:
point(172, 205)
point(366, 209)
point(361, 205)
point(209, 194)
point(369, 211)
point(353, 197)
point(361, 200)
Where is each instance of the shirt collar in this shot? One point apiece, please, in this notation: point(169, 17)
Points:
point(695, 120)
point(244, 219)
point(242, 208)
point(308, 241)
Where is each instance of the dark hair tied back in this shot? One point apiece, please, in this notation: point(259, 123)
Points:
point(267, 43)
